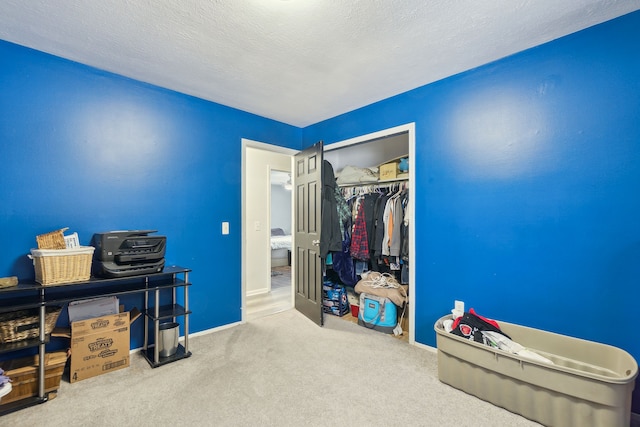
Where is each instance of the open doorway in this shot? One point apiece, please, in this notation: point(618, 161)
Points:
point(392, 150)
point(267, 224)
point(280, 241)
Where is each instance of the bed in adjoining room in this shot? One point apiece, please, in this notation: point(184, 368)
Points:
point(280, 248)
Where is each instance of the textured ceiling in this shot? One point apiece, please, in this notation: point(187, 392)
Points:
point(296, 61)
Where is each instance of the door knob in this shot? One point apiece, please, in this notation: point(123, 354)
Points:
point(315, 242)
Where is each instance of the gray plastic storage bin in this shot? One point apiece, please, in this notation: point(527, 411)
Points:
point(589, 384)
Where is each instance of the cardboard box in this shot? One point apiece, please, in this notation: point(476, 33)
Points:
point(100, 345)
point(24, 375)
point(388, 171)
point(90, 308)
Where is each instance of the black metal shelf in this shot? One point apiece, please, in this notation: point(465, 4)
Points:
point(180, 354)
point(169, 270)
point(21, 345)
point(20, 287)
point(107, 288)
point(7, 408)
point(168, 284)
point(35, 295)
point(19, 303)
point(166, 311)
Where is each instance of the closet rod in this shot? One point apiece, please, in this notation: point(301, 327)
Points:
point(351, 190)
point(378, 184)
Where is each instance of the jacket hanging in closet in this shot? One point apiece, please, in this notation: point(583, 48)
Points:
point(330, 236)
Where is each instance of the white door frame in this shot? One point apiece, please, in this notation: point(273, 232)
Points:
point(247, 181)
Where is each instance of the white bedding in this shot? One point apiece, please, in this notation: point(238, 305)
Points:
point(281, 242)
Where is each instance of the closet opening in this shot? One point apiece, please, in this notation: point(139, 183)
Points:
point(375, 170)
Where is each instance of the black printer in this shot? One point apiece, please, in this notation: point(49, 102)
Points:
point(127, 253)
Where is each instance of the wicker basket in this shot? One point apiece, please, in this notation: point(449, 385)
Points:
point(25, 324)
point(53, 266)
point(52, 240)
point(24, 375)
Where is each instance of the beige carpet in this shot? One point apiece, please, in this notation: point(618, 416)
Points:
point(280, 370)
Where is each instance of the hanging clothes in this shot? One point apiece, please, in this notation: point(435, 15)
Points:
point(330, 234)
point(369, 201)
point(406, 207)
point(343, 263)
point(379, 225)
point(398, 218)
point(379, 230)
point(359, 238)
point(344, 213)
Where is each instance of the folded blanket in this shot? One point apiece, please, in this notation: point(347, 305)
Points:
point(355, 175)
point(382, 285)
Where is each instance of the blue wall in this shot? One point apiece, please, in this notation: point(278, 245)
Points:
point(528, 179)
point(93, 151)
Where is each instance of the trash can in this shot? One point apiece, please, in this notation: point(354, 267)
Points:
point(168, 339)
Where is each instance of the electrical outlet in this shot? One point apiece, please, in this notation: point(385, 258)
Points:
point(458, 309)
point(459, 306)
point(225, 227)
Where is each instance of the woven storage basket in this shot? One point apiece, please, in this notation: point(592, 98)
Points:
point(52, 240)
point(24, 375)
point(25, 324)
point(54, 266)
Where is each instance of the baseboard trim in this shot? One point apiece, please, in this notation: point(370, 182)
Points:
point(197, 334)
point(425, 347)
point(258, 292)
point(216, 329)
